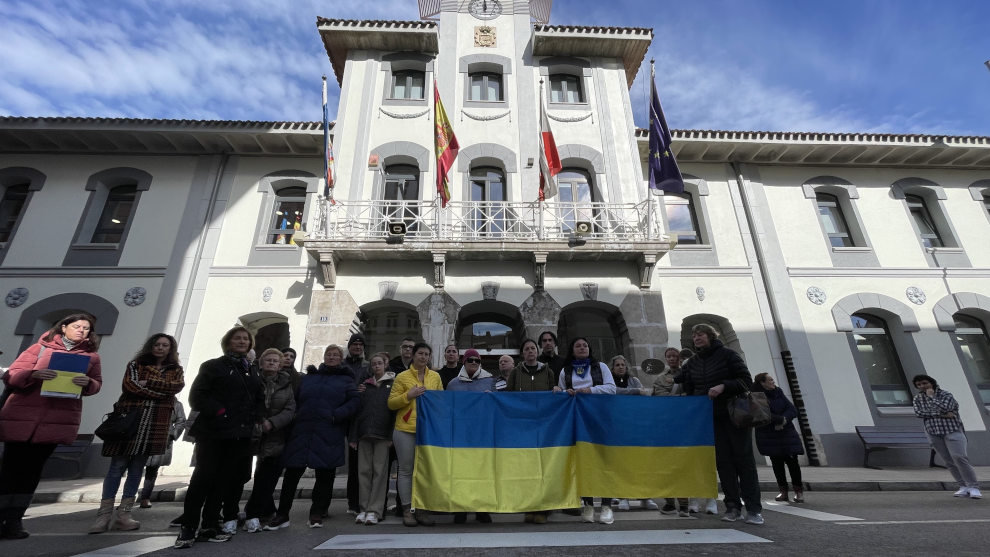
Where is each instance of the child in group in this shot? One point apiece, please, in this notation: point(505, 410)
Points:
point(371, 435)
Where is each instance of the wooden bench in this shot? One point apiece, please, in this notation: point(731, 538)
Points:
point(880, 438)
point(73, 453)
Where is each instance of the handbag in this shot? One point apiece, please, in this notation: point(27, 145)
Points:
point(749, 409)
point(119, 425)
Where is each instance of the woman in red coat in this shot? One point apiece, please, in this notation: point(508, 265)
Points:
point(31, 425)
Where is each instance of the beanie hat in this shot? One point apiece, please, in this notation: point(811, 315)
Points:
point(356, 337)
point(471, 353)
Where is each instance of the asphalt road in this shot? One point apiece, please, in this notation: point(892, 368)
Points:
point(834, 523)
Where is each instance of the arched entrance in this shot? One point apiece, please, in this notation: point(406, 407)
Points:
point(270, 330)
point(385, 323)
point(722, 326)
point(492, 328)
point(602, 324)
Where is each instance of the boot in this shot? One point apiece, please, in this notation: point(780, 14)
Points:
point(13, 529)
point(422, 516)
point(124, 521)
point(103, 516)
point(798, 494)
point(407, 517)
point(782, 496)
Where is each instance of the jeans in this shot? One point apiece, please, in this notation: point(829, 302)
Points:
point(266, 475)
point(134, 468)
point(736, 467)
point(150, 477)
point(952, 449)
point(322, 491)
point(405, 452)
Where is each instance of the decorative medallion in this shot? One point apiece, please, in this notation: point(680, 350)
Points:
point(816, 295)
point(16, 297)
point(266, 294)
point(387, 288)
point(916, 295)
point(135, 296)
point(484, 36)
point(700, 291)
point(589, 291)
point(489, 289)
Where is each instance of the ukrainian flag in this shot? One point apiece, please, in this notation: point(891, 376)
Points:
point(523, 452)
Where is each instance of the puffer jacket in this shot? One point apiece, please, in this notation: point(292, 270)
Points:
point(229, 399)
point(328, 398)
point(779, 437)
point(28, 416)
point(280, 408)
point(375, 419)
point(716, 365)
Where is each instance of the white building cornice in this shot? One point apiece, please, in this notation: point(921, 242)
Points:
point(341, 36)
point(626, 43)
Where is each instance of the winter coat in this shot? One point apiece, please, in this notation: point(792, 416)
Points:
point(175, 431)
point(405, 410)
point(229, 398)
point(447, 374)
point(482, 381)
point(327, 400)
point(375, 419)
point(716, 365)
point(156, 403)
point(555, 362)
point(779, 437)
point(665, 383)
point(280, 409)
point(28, 416)
point(522, 379)
point(357, 365)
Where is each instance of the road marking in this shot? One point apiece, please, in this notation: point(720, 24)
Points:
point(540, 539)
point(881, 522)
point(805, 513)
point(132, 549)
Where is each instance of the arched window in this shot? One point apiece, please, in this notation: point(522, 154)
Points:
point(927, 230)
point(486, 86)
point(566, 88)
point(488, 191)
point(576, 195)
point(833, 221)
point(878, 362)
point(681, 217)
point(287, 214)
point(971, 334)
point(408, 85)
point(11, 207)
point(117, 211)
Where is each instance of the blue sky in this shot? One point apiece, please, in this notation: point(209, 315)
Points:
point(898, 66)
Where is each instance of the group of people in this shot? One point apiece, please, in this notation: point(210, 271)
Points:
point(289, 421)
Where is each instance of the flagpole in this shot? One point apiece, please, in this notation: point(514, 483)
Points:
point(539, 196)
point(651, 196)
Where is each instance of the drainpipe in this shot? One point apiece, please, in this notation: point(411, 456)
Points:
point(811, 447)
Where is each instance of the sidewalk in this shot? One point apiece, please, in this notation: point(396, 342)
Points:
point(173, 488)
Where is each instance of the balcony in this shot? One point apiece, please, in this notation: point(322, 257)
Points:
point(488, 231)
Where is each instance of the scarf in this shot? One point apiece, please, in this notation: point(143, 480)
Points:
point(68, 344)
point(581, 367)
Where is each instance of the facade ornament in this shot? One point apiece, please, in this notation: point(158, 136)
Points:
point(539, 270)
point(401, 116)
point(489, 289)
point(589, 291)
point(266, 294)
point(482, 118)
point(647, 262)
point(439, 269)
point(584, 116)
point(484, 36)
point(916, 295)
point(135, 296)
point(329, 267)
point(700, 292)
point(16, 297)
point(816, 295)
point(387, 288)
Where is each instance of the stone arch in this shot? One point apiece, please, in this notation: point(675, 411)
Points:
point(726, 332)
point(39, 316)
point(504, 314)
point(603, 324)
point(977, 305)
point(884, 306)
point(384, 323)
point(581, 156)
point(403, 152)
point(269, 329)
point(490, 154)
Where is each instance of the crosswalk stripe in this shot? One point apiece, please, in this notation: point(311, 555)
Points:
point(540, 539)
point(882, 522)
point(805, 512)
point(132, 549)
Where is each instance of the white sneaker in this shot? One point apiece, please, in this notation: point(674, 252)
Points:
point(588, 513)
point(754, 518)
point(962, 492)
point(732, 515)
point(623, 504)
point(229, 527)
point(651, 505)
point(711, 507)
point(605, 516)
point(371, 519)
point(693, 508)
point(974, 493)
point(252, 525)
point(360, 518)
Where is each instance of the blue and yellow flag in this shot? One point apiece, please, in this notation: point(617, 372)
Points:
point(522, 452)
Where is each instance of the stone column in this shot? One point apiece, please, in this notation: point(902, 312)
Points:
point(438, 316)
point(647, 327)
point(332, 315)
point(540, 312)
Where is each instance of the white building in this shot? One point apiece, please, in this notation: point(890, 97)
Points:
point(843, 264)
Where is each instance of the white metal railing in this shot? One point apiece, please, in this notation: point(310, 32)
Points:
point(492, 220)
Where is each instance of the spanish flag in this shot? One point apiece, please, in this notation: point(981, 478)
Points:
point(524, 452)
point(446, 147)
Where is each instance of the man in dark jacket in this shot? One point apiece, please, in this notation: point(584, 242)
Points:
point(548, 352)
point(402, 362)
point(358, 366)
point(355, 360)
point(721, 374)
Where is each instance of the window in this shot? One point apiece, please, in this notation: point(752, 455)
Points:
point(486, 86)
point(575, 197)
point(833, 221)
point(566, 88)
point(878, 361)
point(287, 215)
point(408, 84)
point(402, 190)
point(488, 192)
point(927, 230)
point(11, 207)
point(116, 213)
point(975, 346)
point(681, 217)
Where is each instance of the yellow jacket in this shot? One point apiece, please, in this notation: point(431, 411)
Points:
point(405, 410)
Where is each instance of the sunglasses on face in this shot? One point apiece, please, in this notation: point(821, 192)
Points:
point(473, 360)
point(409, 347)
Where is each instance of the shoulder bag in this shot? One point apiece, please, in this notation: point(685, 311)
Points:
point(119, 425)
point(749, 409)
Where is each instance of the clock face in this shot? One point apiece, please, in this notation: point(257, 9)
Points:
point(485, 9)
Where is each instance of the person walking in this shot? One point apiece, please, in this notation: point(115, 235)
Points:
point(150, 383)
point(779, 440)
point(940, 413)
point(31, 424)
